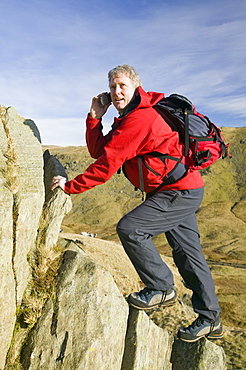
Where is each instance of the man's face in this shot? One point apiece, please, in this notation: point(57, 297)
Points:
point(122, 90)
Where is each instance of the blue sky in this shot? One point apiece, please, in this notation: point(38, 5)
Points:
point(55, 55)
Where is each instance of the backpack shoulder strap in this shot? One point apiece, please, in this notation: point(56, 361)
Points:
point(177, 173)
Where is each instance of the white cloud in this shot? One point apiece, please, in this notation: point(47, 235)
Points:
point(232, 105)
point(65, 131)
point(62, 131)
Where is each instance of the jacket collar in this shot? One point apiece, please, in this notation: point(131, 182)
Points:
point(142, 100)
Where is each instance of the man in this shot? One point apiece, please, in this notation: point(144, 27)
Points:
point(136, 134)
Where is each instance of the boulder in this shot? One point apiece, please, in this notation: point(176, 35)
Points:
point(201, 355)
point(147, 346)
point(85, 326)
point(56, 205)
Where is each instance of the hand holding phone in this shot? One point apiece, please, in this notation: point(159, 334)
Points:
point(105, 99)
point(100, 105)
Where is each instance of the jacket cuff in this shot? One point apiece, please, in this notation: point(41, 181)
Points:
point(93, 122)
point(67, 187)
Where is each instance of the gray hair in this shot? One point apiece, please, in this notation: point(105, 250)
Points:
point(128, 71)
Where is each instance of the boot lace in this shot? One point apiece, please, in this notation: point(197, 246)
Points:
point(145, 292)
point(200, 321)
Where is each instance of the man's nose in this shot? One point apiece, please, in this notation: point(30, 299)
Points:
point(117, 90)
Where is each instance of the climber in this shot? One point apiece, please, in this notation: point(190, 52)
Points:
point(138, 131)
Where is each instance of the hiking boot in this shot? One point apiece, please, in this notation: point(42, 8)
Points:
point(149, 298)
point(200, 328)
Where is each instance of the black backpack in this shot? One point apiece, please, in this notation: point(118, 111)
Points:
point(202, 139)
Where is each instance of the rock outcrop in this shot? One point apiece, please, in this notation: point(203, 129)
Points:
point(21, 197)
point(84, 327)
point(85, 323)
point(22, 205)
point(89, 326)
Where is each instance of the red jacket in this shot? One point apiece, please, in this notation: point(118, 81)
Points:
point(139, 132)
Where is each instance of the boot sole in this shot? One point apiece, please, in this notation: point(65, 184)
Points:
point(215, 336)
point(208, 336)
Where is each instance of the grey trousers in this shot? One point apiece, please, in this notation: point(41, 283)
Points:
point(173, 213)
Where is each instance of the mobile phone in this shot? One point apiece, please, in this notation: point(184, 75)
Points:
point(105, 99)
